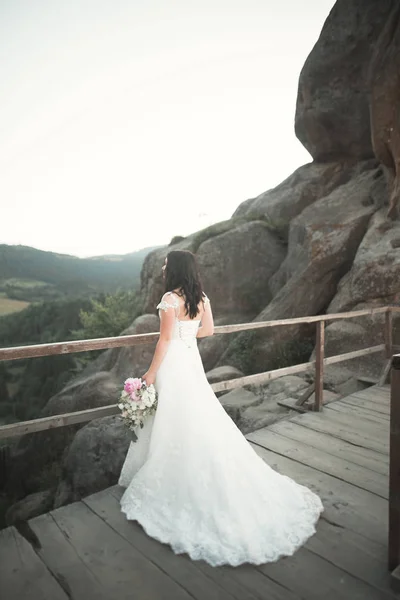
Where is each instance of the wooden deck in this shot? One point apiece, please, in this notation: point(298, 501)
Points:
point(88, 551)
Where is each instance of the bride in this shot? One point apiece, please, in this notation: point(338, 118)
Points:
point(193, 481)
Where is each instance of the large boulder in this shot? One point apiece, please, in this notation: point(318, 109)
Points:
point(236, 402)
point(133, 361)
point(305, 186)
point(94, 459)
point(224, 262)
point(223, 373)
point(268, 411)
point(332, 112)
point(211, 349)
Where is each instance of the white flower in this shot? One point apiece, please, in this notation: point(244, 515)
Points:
point(120, 406)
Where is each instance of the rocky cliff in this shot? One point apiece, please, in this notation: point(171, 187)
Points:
point(325, 240)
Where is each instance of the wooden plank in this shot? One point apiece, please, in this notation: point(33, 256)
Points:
point(146, 338)
point(346, 433)
point(259, 378)
point(305, 396)
point(319, 366)
point(179, 567)
point(364, 413)
point(359, 423)
point(345, 505)
point(353, 553)
point(388, 333)
point(367, 379)
point(305, 407)
point(55, 421)
point(314, 578)
point(360, 411)
point(385, 373)
point(354, 423)
point(240, 582)
point(394, 473)
point(23, 576)
point(340, 468)
point(374, 394)
point(380, 399)
point(377, 407)
point(260, 584)
point(331, 445)
point(118, 567)
point(56, 348)
point(56, 549)
point(331, 360)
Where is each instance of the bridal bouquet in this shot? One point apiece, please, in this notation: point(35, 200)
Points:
point(137, 402)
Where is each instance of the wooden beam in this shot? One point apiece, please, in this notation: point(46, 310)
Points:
point(389, 333)
point(319, 366)
point(55, 421)
point(394, 469)
point(147, 338)
point(355, 354)
point(77, 346)
point(305, 396)
point(385, 373)
point(301, 320)
point(259, 378)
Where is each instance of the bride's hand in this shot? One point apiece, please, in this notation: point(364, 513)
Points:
point(149, 378)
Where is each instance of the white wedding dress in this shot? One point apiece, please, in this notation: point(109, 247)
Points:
point(194, 482)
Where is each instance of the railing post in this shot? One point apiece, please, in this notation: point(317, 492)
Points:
point(388, 333)
point(394, 470)
point(319, 365)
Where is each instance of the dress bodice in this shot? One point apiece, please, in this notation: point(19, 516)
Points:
point(185, 330)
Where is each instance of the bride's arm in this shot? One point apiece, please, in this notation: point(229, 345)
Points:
point(207, 322)
point(167, 321)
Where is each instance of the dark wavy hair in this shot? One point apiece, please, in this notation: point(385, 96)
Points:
point(182, 276)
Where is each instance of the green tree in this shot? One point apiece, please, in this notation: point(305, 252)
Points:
point(109, 315)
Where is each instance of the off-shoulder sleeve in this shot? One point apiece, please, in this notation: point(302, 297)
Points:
point(168, 301)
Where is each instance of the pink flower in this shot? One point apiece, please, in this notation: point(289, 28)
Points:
point(132, 384)
point(133, 396)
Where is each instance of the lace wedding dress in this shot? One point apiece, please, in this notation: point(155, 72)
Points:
point(194, 482)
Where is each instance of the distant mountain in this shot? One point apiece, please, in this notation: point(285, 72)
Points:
point(32, 275)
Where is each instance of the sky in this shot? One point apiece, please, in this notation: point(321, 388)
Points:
point(126, 122)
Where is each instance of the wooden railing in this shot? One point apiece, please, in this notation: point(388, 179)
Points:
point(22, 352)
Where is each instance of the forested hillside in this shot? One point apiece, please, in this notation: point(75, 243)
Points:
point(31, 275)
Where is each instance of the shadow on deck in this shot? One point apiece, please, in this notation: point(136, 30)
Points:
point(88, 551)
